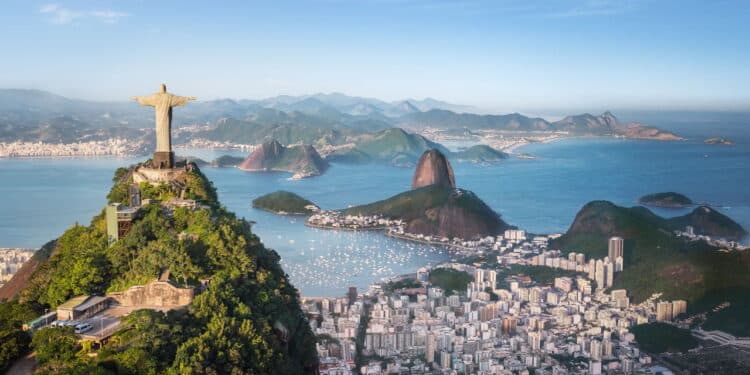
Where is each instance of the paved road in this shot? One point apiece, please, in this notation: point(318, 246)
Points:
point(103, 326)
point(23, 366)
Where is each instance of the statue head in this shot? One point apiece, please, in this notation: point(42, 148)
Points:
point(163, 88)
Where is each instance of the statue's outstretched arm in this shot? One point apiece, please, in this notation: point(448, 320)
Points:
point(144, 100)
point(181, 100)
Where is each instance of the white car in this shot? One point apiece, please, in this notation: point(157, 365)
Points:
point(63, 323)
point(83, 327)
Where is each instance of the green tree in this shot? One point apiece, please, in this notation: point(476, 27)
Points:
point(55, 347)
point(14, 342)
point(78, 267)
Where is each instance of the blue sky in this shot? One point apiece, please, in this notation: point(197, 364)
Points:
point(504, 55)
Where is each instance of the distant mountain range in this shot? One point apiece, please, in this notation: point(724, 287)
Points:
point(320, 119)
point(23, 106)
point(584, 124)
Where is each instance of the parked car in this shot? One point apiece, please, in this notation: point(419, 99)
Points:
point(63, 323)
point(83, 327)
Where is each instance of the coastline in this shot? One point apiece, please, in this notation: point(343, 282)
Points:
point(448, 245)
point(282, 213)
point(512, 149)
point(327, 227)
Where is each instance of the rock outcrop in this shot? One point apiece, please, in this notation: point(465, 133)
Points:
point(263, 157)
point(433, 169)
point(154, 294)
point(301, 160)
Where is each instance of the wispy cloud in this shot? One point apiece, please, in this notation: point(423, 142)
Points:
point(62, 16)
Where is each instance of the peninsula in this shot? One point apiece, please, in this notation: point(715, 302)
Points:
point(434, 208)
point(661, 255)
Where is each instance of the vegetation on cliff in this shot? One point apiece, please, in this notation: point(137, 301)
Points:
point(732, 317)
point(14, 342)
point(656, 260)
point(707, 221)
point(231, 327)
point(438, 210)
point(668, 199)
point(662, 337)
point(285, 202)
point(540, 274)
point(452, 281)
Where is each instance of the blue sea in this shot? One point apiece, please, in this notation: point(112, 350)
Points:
point(40, 198)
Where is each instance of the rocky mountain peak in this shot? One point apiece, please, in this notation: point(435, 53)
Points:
point(433, 169)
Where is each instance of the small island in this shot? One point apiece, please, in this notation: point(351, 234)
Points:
point(285, 203)
point(226, 161)
point(480, 154)
point(718, 141)
point(667, 200)
point(300, 160)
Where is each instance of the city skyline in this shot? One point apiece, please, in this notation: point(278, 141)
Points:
point(546, 56)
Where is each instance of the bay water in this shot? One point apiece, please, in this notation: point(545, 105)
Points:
point(41, 197)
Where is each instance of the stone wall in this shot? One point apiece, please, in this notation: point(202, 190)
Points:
point(158, 176)
point(156, 293)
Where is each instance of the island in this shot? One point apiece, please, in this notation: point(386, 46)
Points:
point(285, 203)
point(300, 160)
point(480, 154)
point(637, 130)
point(667, 199)
point(225, 161)
point(718, 141)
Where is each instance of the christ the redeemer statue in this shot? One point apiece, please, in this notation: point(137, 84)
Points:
point(163, 102)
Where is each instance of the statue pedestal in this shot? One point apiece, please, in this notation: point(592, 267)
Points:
point(163, 160)
point(156, 176)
